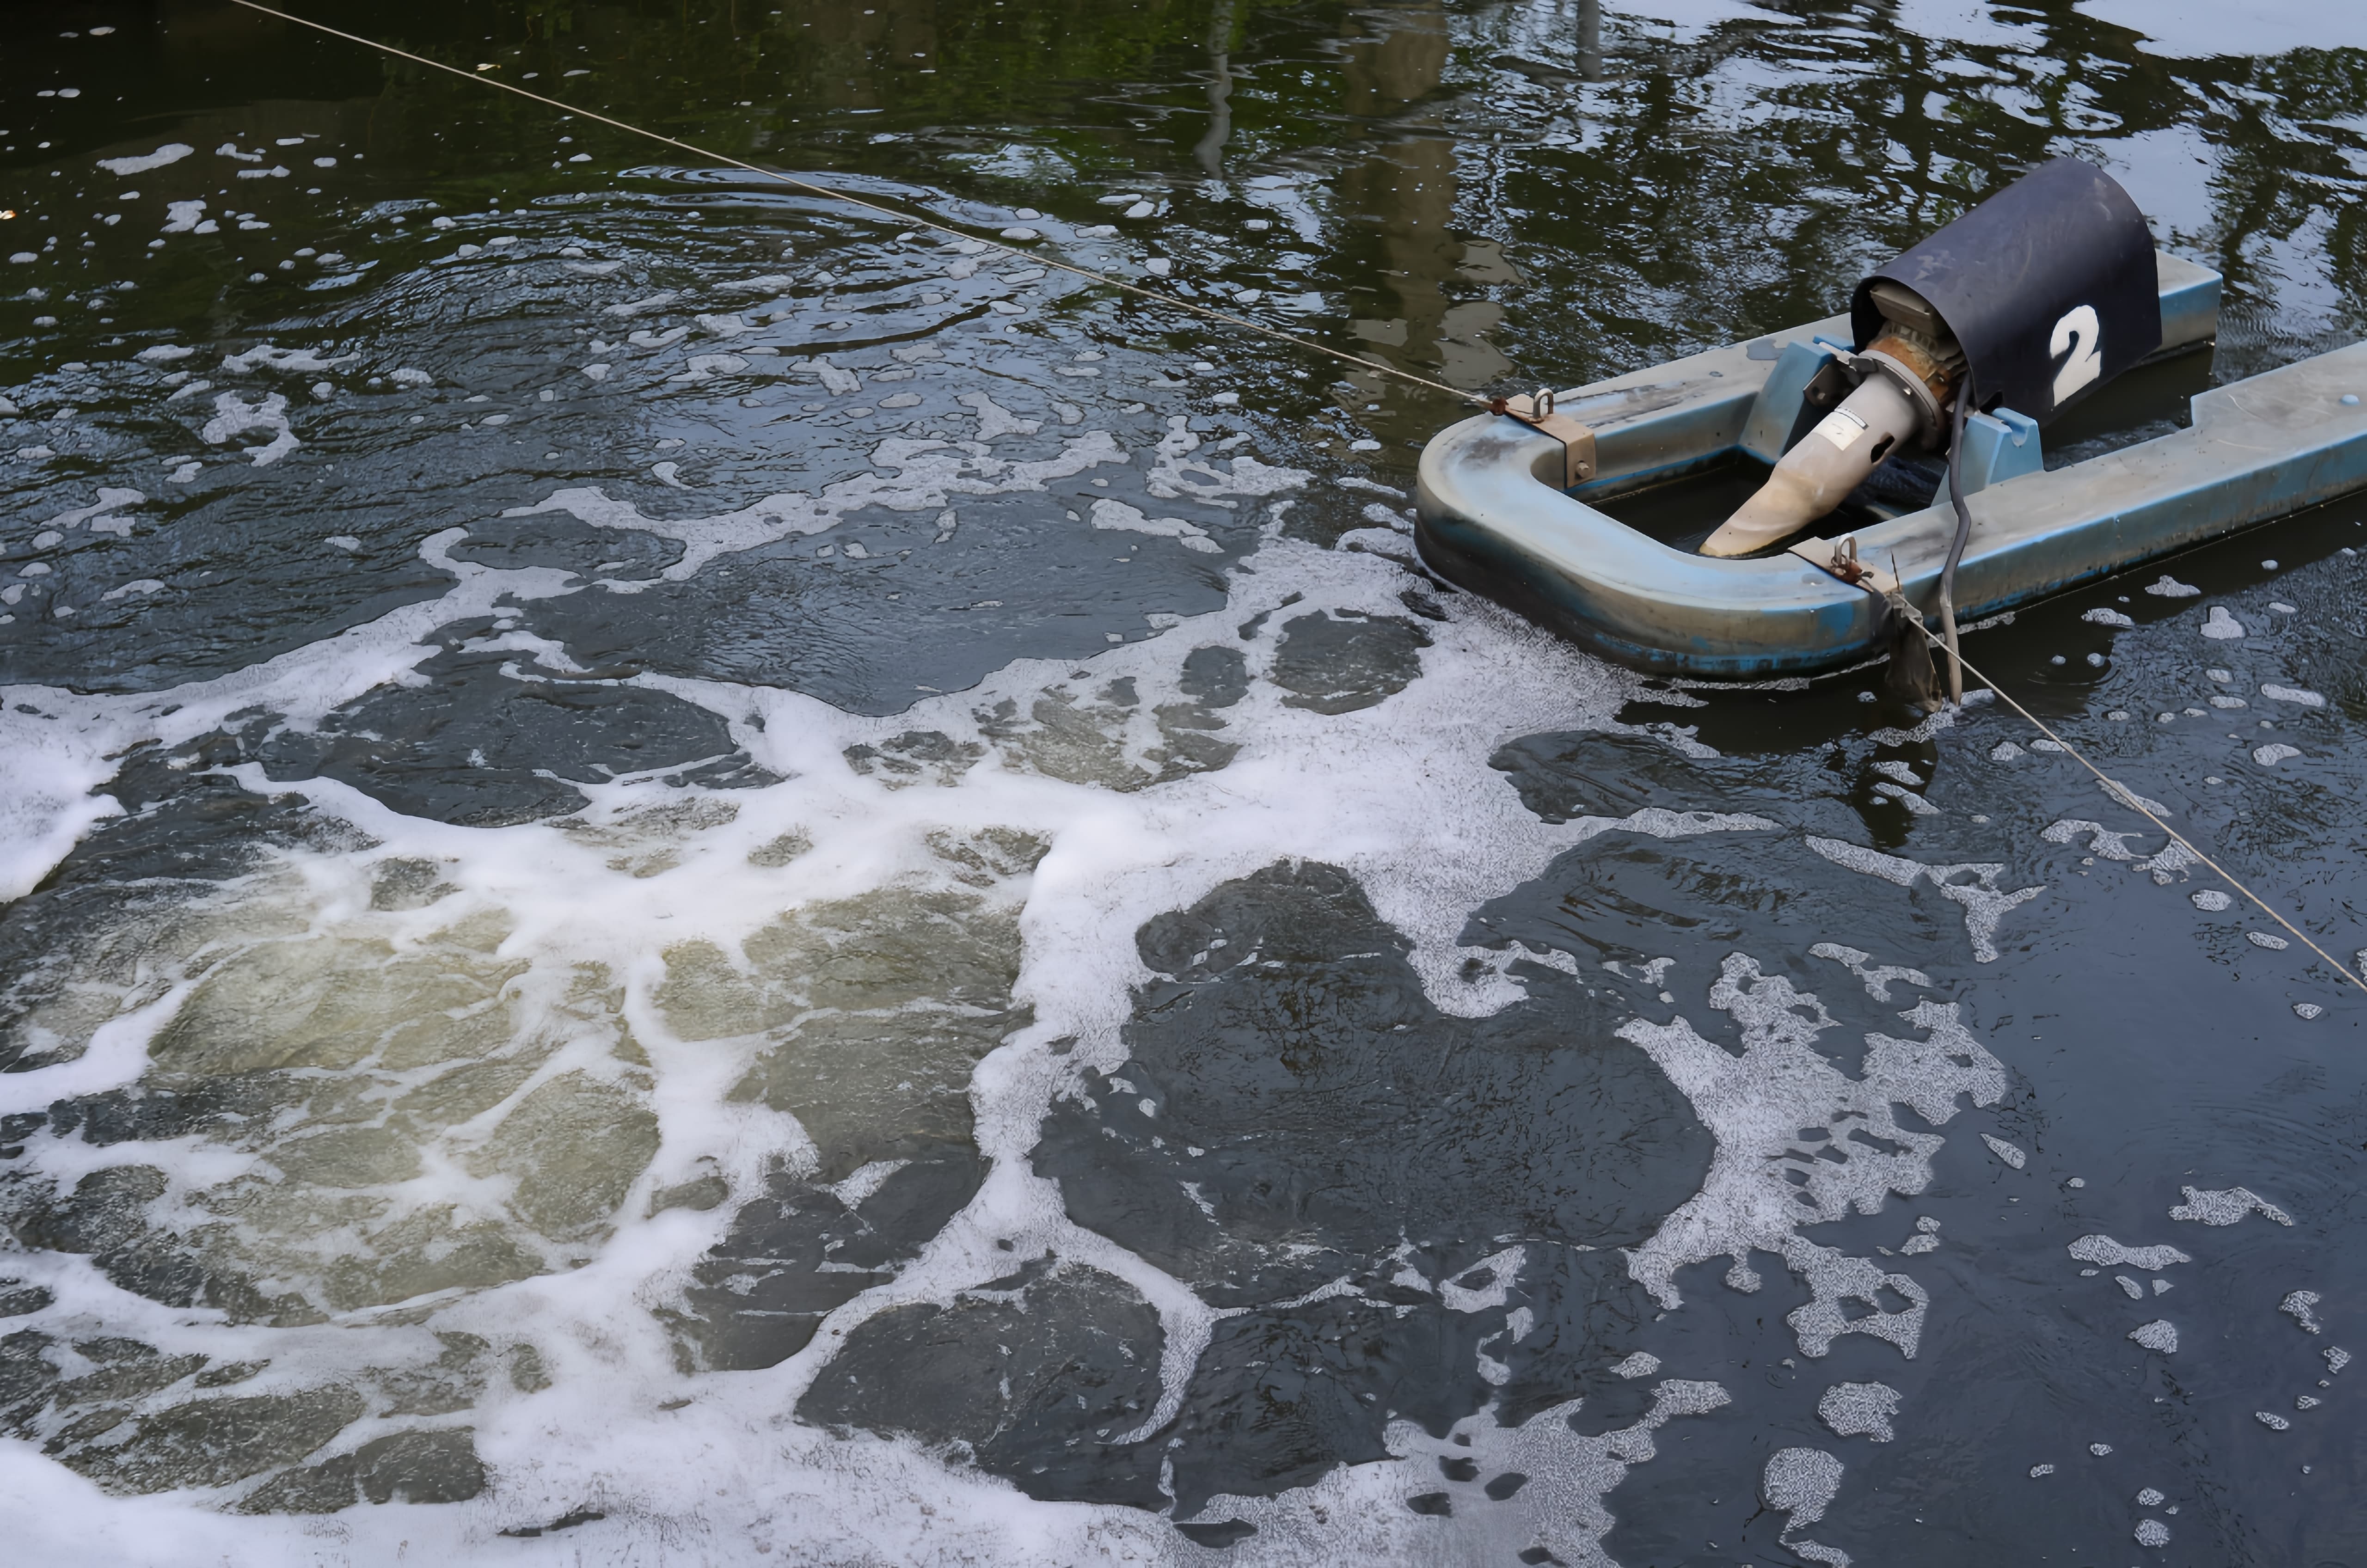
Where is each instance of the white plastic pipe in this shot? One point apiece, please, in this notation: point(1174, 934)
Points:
point(1825, 465)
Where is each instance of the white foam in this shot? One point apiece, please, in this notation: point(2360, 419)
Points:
point(2103, 1251)
point(234, 415)
point(51, 801)
point(98, 516)
point(2103, 843)
point(1855, 1409)
point(1116, 515)
point(1877, 977)
point(1764, 1183)
point(1984, 904)
point(644, 306)
point(2159, 1337)
point(2302, 1307)
point(2132, 799)
point(1801, 1482)
point(296, 361)
point(921, 475)
point(2224, 1208)
point(2011, 1154)
point(993, 420)
point(1915, 804)
point(171, 152)
point(1401, 794)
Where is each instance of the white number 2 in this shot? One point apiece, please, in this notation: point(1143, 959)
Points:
point(2080, 335)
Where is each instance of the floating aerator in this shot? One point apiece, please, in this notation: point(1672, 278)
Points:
point(2040, 295)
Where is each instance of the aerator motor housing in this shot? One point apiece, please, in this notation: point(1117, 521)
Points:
point(2034, 300)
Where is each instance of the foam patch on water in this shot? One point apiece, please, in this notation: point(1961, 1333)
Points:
point(55, 772)
point(1802, 1484)
point(2168, 864)
point(2226, 1207)
point(571, 948)
point(171, 152)
point(234, 415)
point(1859, 1409)
point(1767, 1179)
point(1116, 515)
point(1984, 904)
point(532, 1230)
point(1877, 977)
point(2011, 1154)
point(2106, 1253)
point(913, 476)
point(1558, 1510)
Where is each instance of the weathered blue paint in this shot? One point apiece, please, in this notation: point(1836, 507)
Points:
point(1997, 447)
point(1775, 412)
point(2257, 450)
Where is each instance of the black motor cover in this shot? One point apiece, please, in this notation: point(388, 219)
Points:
point(2049, 286)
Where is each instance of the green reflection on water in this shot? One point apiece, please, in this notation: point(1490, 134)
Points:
point(1475, 191)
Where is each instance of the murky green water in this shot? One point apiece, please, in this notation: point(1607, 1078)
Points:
point(696, 877)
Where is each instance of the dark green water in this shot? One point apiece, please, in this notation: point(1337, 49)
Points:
point(692, 876)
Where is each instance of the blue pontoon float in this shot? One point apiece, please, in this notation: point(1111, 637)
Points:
point(1520, 505)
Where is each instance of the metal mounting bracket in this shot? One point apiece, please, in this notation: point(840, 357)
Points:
point(1577, 440)
point(1839, 557)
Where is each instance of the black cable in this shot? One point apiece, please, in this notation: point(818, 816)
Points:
point(1956, 550)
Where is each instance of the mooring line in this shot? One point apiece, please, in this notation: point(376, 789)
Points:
point(2131, 799)
point(1245, 323)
